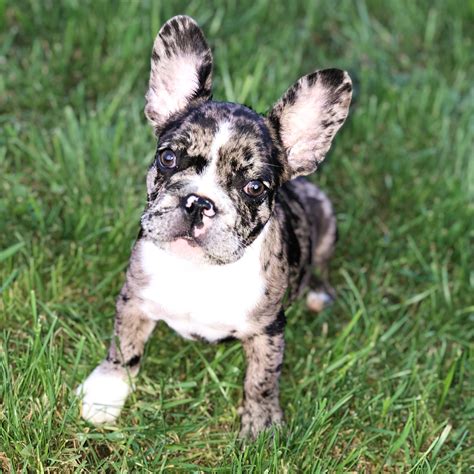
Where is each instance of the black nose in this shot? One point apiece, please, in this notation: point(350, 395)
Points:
point(197, 206)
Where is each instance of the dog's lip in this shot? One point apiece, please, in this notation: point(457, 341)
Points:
point(192, 241)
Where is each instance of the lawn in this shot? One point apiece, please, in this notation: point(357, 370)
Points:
point(379, 382)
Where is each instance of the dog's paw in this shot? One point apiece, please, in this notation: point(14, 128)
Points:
point(103, 395)
point(316, 301)
point(257, 418)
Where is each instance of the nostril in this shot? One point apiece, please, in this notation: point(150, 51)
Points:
point(204, 204)
point(209, 211)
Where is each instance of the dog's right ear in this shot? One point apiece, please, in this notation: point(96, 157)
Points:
point(181, 70)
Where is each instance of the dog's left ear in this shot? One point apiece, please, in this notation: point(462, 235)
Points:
point(308, 116)
point(181, 70)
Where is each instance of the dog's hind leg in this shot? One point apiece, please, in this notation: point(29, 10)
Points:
point(321, 293)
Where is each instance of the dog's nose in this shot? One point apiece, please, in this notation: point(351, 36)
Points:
point(199, 205)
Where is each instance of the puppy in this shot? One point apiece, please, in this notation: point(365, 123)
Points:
point(230, 233)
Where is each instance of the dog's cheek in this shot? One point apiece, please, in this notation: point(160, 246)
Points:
point(165, 192)
point(162, 220)
point(227, 213)
point(223, 245)
point(252, 217)
point(151, 180)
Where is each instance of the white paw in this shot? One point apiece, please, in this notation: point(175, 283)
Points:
point(103, 395)
point(317, 300)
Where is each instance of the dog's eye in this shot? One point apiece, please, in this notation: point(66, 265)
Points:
point(254, 188)
point(167, 159)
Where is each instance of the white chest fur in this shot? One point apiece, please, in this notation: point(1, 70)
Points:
point(211, 301)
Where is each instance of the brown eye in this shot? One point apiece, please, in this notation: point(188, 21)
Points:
point(254, 188)
point(167, 159)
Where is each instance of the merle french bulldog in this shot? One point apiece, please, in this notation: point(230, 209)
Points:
point(230, 233)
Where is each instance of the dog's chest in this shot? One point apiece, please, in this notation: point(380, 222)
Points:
point(196, 300)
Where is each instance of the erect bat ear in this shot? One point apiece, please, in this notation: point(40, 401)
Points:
point(308, 116)
point(181, 70)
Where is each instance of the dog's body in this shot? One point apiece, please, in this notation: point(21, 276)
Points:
point(228, 235)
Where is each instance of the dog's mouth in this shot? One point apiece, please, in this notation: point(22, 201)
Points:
point(186, 246)
point(188, 239)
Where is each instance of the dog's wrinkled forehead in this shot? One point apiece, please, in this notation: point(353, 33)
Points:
point(234, 138)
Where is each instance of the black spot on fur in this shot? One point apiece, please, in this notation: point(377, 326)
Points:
point(292, 243)
point(346, 88)
point(256, 230)
point(327, 123)
point(227, 339)
point(198, 337)
point(203, 73)
point(312, 78)
point(332, 77)
point(124, 297)
point(113, 360)
point(277, 326)
point(135, 360)
point(166, 30)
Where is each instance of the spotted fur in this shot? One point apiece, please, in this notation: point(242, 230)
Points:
point(211, 260)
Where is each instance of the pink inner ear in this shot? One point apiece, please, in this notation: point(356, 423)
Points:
point(300, 121)
point(172, 83)
point(301, 130)
point(181, 69)
point(310, 114)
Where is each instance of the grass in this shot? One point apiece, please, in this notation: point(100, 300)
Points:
point(378, 383)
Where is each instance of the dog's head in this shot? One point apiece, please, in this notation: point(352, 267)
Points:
point(218, 165)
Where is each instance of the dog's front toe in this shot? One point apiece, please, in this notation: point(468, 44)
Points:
point(103, 395)
point(254, 420)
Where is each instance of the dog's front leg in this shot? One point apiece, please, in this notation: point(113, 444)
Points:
point(261, 406)
point(105, 390)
